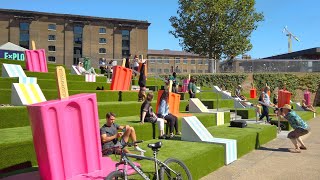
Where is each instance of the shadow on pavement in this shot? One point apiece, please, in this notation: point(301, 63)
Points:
point(275, 150)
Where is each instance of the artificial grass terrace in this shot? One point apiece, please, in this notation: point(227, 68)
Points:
point(201, 158)
point(14, 138)
point(17, 116)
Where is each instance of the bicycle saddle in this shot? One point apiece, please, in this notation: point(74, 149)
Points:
point(155, 145)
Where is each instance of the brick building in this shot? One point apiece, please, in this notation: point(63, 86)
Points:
point(66, 38)
point(167, 61)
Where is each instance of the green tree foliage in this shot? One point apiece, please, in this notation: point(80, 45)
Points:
point(215, 28)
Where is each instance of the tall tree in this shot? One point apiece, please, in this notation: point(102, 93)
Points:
point(215, 28)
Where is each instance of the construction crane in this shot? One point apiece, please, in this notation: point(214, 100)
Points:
point(289, 34)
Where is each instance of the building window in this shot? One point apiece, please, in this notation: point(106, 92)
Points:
point(166, 70)
point(152, 70)
point(177, 60)
point(102, 40)
point(52, 48)
point(152, 60)
point(52, 59)
point(160, 60)
point(206, 71)
point(24, 35)
point(206, 62)
point(102, 30)
point(185, 61)
point(52, 37)
point(185, 70)
point(77, 42)
point(193, 71)
point(102, 51)
point(193, 61)
point(200, 61)
point(200, 71)
point(52, 27)
point(166, 61)
point(125, 43)
point(159, 70)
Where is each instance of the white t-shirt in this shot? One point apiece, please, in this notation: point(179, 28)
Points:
point(135, 63)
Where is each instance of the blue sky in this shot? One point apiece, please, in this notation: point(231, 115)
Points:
point(301, 17)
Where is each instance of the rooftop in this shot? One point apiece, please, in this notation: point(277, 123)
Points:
point(25, 14)
point(171, 53)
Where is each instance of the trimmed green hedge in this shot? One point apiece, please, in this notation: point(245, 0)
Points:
point(293, 81)
point(228, 81)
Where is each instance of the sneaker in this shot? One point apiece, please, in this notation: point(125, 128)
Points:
point(171, 135)
point(163, 137)
point(178, 133)
point(137, 148)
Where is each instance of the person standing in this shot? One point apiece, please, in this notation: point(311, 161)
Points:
point(192, 88)
point(127, 64)
point(300, 127)
point(265, 99)
point(135, 65)
point(173, 78)
point(142, 82)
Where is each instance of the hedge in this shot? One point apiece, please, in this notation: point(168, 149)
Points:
point(293, 81)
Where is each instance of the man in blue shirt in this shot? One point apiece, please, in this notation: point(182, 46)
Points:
point(300, 127)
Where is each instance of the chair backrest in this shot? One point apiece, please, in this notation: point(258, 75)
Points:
point(26, 94)
point(196, 106)
point(36, 60)
point(121, 78)
point(12, 70)
point(67, 139)
point(74, 70)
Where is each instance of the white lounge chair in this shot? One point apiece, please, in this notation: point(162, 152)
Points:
point(193, 130)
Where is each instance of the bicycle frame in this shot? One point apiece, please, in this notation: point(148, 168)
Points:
point(125, 160)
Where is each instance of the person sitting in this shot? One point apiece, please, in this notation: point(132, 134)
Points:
point(147, 115)
point(82, 70)
point(164, 113)
point(110, 136)
point(307, 107)
point(238, 91)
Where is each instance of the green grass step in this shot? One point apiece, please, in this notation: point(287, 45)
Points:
point(201, 158)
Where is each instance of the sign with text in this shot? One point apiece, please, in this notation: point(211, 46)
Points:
point(13, 55)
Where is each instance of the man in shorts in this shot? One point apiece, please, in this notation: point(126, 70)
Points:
point(110, 136)
point(300, 127)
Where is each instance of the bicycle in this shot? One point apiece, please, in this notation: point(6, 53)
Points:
point(169, 169)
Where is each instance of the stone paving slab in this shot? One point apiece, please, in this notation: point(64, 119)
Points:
point(274, 161)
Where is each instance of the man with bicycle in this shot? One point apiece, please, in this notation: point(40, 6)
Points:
point(110, 136)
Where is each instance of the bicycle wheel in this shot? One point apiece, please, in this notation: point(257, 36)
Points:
point(115, 175)
point(177, 166)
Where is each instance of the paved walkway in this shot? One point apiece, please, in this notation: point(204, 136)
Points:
point(274, 161)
